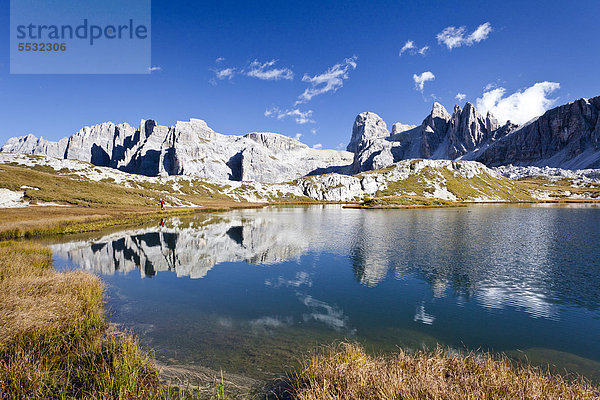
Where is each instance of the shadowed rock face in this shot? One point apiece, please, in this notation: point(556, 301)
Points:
point(188, 148)
point(567, 137)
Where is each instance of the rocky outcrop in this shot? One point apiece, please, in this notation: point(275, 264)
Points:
point(567, 136)
point(188, 148)
point(32, 145)
point(433, 179)
point(370, 143)
point(440, 136)
point(399, 128)
point(367, 126)
point(579, 177)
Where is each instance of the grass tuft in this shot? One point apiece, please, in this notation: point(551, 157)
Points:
point(345, 371)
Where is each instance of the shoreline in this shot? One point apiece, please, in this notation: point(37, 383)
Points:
point(25, 223)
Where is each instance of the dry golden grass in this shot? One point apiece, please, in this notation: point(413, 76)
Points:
point(54, 340)
point(34, 298)
point(345, 371)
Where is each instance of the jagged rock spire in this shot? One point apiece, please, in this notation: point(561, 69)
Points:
point(367, 126)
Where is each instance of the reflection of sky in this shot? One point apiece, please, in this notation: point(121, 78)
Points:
point(324, 313)
point(422, 316)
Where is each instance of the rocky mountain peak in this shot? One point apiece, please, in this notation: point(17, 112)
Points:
point(188, 148)
point(469, 130)
point(567, 136)
point(439, 111)
point(367, 126)
point(469, 107)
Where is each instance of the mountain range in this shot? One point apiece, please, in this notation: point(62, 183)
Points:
point(567, 137)
point(564, 137)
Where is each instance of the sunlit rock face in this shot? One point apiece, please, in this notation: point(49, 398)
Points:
point(32, 145)
point(188, 148)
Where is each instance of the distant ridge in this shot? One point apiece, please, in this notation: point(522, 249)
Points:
point(567, 137)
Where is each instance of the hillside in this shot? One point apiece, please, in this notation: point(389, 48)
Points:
point(40, 180)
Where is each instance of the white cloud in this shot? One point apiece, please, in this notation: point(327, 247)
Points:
point(479, 34)
point(225, 73)
point(298, 136)
point(255, 69)
point(460, 96)
point(264, 71)
point(520, 106)
point(453, 37)
point(313, 131)
point(329, 81)
point(411, 48)
point(318, 146)
point(489, 86)
point(421, 79)
point(407, 46)
point(154, 68)
point(302, 278)
point(301, 117)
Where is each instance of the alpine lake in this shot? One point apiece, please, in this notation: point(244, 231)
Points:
point(251, 291)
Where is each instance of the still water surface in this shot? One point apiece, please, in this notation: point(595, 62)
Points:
point(249, 291)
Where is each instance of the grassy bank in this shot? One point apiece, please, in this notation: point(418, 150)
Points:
point(345, 371)
point(54, 340)
point(31, 222)
point(42, 221)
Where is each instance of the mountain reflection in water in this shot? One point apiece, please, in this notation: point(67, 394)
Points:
point(189, 248)
point(501, 256)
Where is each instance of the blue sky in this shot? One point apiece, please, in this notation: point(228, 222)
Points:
point(346, 54)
